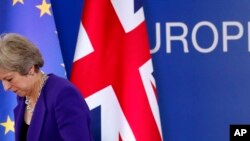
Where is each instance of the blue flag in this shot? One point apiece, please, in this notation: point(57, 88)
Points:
point(34, 20)
point(7, 103)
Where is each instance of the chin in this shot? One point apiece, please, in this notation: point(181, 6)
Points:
point(20, 94)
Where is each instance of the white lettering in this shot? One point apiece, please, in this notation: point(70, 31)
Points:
point(227, 37)
point(239, 132)
point(228, 31)
point(194, 39)
point(158, 38)
point(181, 37)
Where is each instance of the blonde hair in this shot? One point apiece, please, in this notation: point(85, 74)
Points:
point(19, 54)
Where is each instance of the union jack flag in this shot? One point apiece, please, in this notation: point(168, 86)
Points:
point(113, 69)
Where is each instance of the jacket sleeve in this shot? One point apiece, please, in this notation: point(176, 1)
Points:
point(72, 115)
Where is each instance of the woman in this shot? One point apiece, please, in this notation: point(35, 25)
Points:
point(49, 108)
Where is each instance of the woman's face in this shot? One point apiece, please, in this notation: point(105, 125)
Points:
point(17, 83)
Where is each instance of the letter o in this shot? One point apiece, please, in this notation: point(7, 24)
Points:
point(215, 41)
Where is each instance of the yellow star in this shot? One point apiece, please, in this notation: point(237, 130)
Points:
point(16, 1)
point(9, 125)
point(44, 7)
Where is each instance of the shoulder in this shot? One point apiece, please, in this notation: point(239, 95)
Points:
point(57, 84)
point(58, 88)
point(57, 80)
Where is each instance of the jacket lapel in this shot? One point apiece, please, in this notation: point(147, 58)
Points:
point(19, 117)
point(36, 123)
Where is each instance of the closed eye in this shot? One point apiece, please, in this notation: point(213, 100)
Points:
point(9, 80)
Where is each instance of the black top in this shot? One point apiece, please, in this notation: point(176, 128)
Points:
point(24, 130)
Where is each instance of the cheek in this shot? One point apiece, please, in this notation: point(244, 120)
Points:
point(20, 86)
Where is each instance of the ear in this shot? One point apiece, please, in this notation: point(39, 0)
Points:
point(32, 70)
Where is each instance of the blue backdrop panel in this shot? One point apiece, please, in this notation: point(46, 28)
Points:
point(203, 76)
point(201, 94)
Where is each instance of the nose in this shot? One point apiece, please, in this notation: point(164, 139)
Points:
point(6, 85)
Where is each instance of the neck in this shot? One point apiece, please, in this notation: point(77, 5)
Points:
point(36, 87)
point(31, 101)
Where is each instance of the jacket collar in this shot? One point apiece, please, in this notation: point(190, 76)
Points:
point(19, 116)
point(36, 121)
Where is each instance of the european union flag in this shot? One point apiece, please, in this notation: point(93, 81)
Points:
point(7, 103)
point(33, 19)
